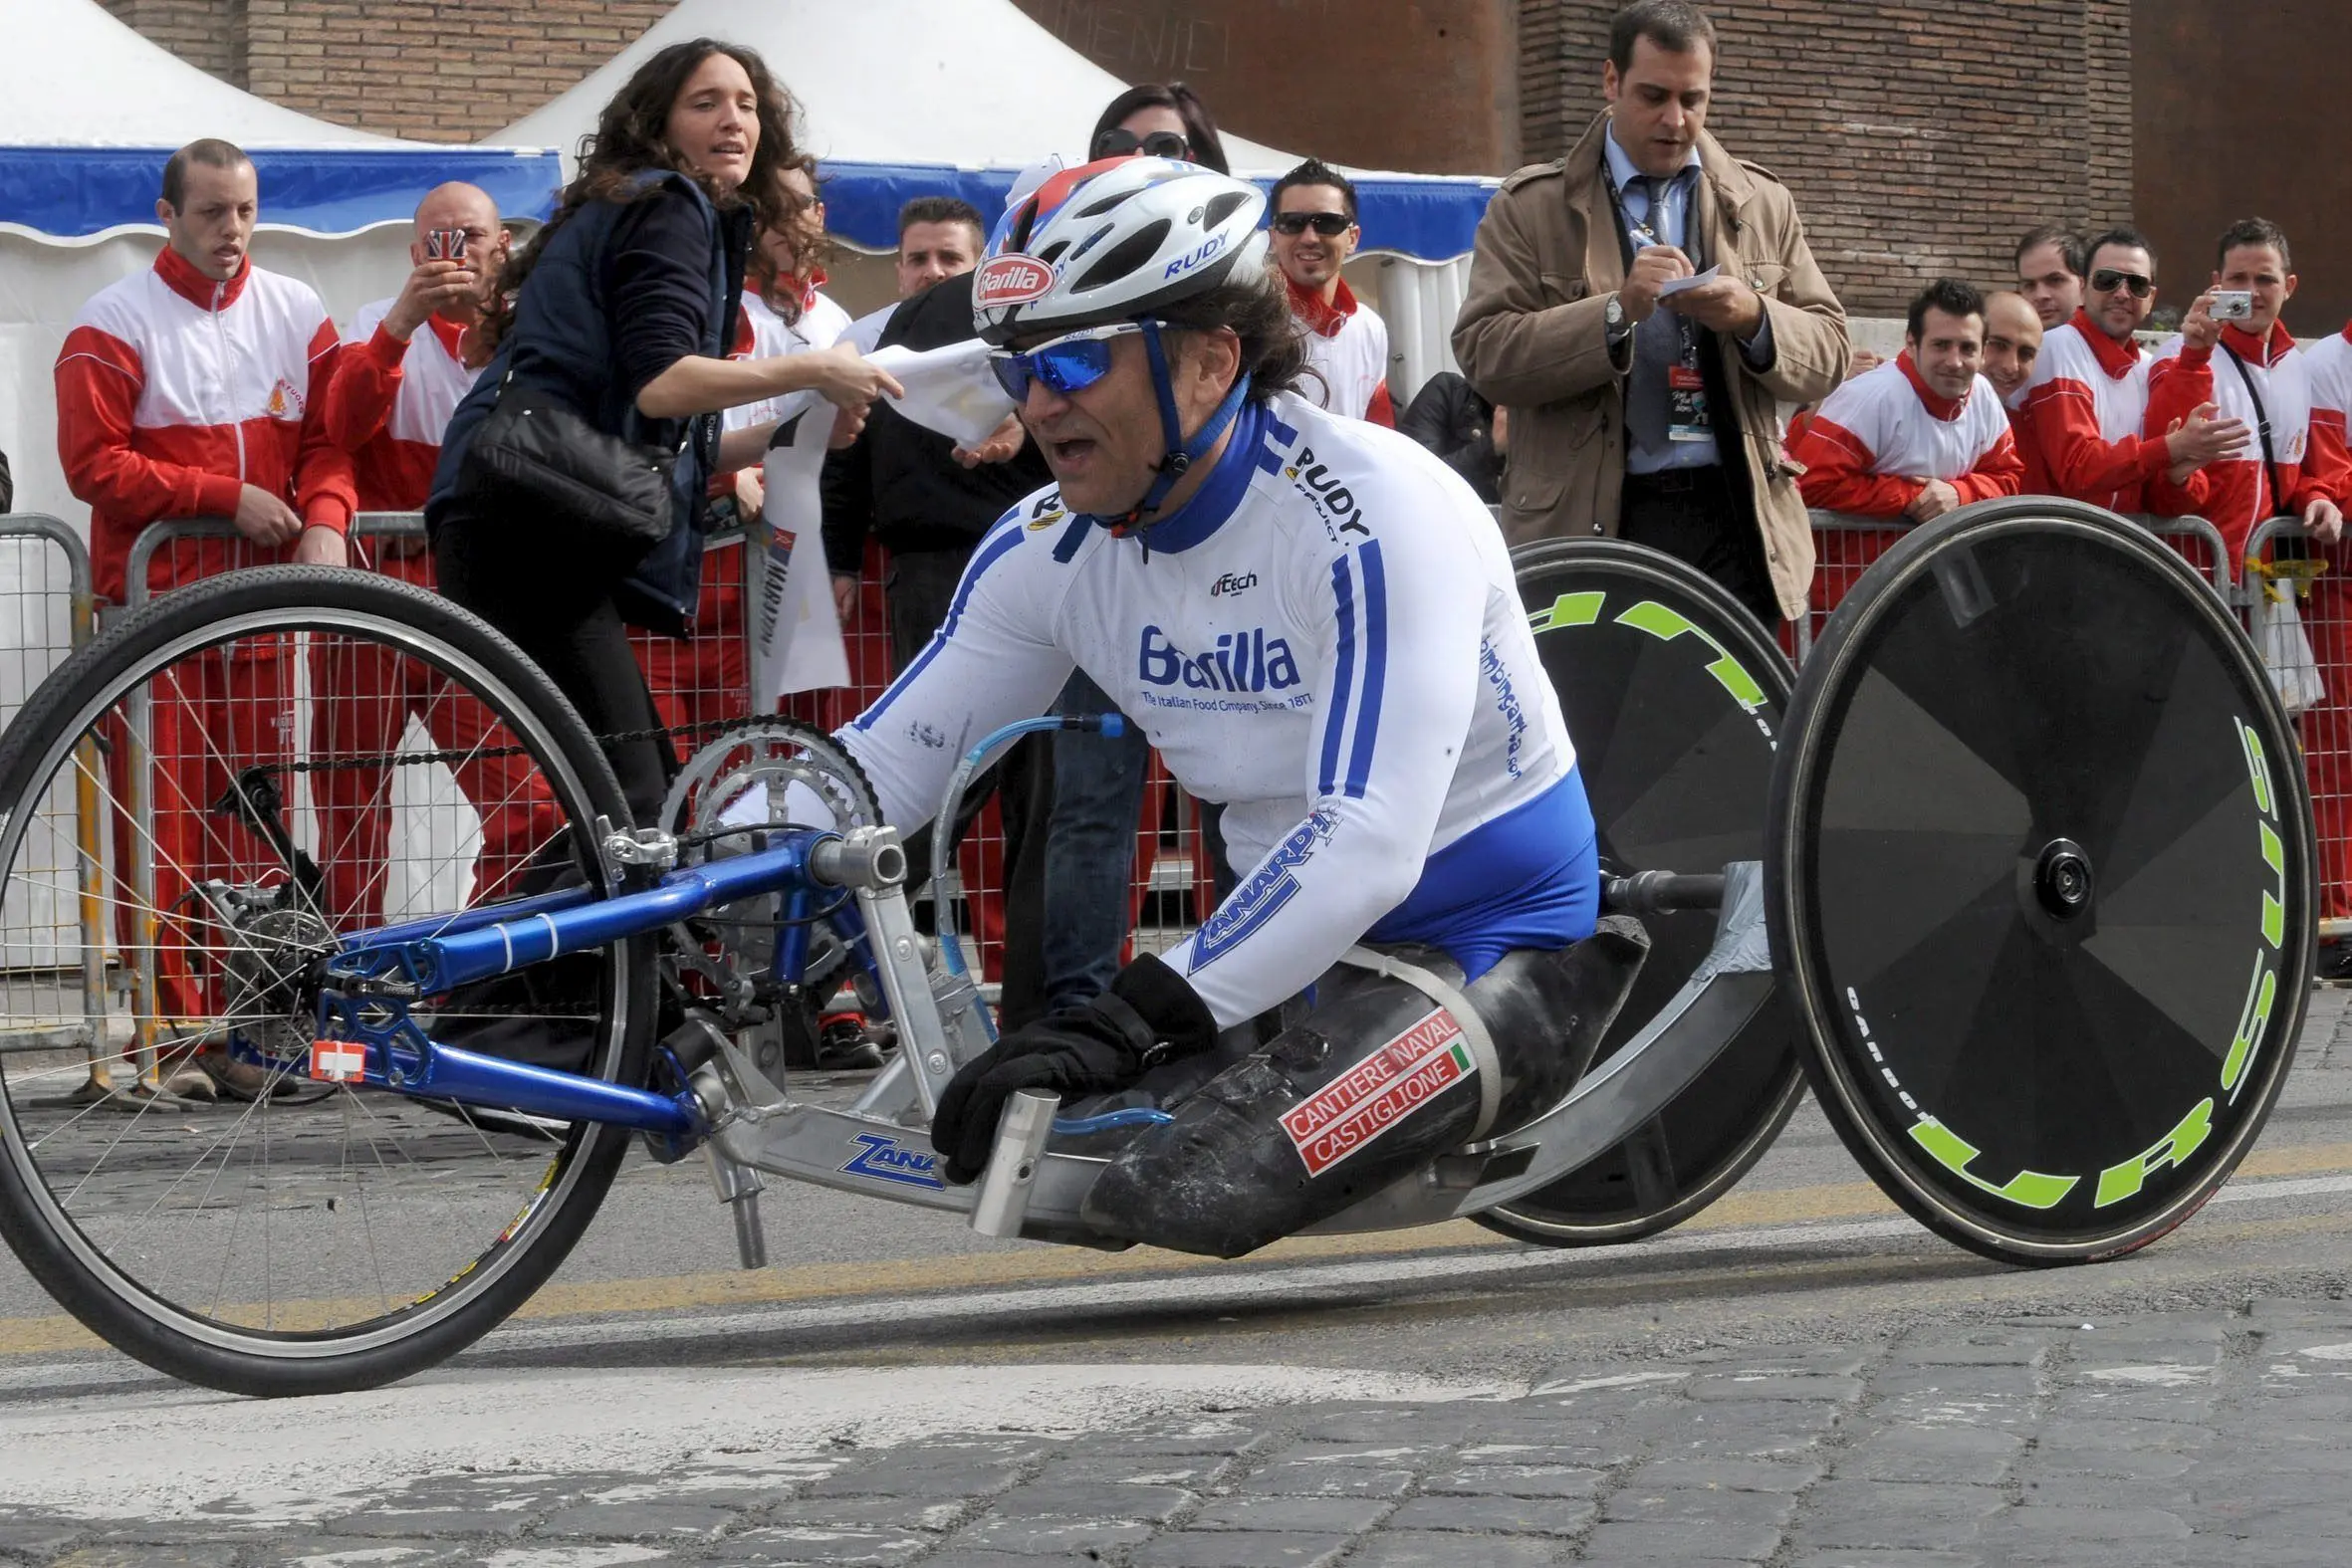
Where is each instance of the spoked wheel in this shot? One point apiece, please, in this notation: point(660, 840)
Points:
point(275, 760)
point(2041, 876)
point(1675, 700)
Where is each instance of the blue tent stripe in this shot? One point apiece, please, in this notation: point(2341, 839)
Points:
point(1428, 219)
point(72, 192)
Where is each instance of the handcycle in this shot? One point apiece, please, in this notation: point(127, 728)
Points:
point(2018, 877)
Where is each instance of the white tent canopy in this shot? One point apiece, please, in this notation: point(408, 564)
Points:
point(909, 97)
point(90, 110)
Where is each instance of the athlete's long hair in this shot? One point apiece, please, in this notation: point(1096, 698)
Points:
point(631, 137)
point(1253, 302)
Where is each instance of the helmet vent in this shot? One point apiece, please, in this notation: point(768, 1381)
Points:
point(1093, 240)
point(1222, 207)
point(1125, 258)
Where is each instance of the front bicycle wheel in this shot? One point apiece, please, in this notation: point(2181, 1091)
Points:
point(200, 805)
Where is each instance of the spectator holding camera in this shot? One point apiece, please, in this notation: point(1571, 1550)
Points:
point(2088, 399)
point(1919, 436)
point(408, 362)
point(2051, 264)
point(1315, 232)
point(394, 390)
point(2234, 352)
point(1635, 410)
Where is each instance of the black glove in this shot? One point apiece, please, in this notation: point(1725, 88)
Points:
point(1149, 1016)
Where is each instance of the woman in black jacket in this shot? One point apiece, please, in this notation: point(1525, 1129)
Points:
point(622, 310)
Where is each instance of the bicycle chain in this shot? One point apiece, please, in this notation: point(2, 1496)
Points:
point(710, 727)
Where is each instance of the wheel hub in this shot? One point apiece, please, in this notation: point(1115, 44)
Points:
point(2062, 881)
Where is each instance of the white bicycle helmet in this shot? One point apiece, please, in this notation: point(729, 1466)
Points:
point(1113, 241)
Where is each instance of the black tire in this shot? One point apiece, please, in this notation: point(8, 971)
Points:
point(1676, 758)
point(2040, 879)
point(391, 1234)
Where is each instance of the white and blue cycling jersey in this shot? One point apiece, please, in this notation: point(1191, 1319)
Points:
point(1326, 637)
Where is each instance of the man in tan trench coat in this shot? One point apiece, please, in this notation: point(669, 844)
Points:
point(1644, 404)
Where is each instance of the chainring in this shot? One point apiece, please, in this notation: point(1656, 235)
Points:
point(746, 779)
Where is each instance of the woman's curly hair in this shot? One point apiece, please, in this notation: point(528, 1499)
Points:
point(631, 137)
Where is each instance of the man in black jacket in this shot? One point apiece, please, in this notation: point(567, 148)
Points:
point(1471, 434)
point(928, 507)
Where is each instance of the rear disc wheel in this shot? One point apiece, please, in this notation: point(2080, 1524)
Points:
point(2040, 878)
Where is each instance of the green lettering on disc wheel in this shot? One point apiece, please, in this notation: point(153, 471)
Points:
point(2027, 1189)
point(2257, 763)
point(2260, 993)
point(1667, 624)
point(2118, 1182)
point(1569, 609)
point(2274, 912)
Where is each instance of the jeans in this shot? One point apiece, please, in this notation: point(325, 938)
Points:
point(920, 587)
point(1091, 849)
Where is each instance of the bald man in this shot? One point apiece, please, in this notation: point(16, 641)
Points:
point(2013, 341)
point(393, 391)
point(400, 375)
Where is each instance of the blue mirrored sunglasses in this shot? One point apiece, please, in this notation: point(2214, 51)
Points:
point(1066, 364)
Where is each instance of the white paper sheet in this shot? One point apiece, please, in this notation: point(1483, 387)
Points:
point(795, 634)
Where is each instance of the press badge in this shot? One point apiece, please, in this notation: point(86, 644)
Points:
point(1686, 404)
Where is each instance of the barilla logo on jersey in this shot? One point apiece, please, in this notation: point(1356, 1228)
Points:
point(1241, 661)
point(1208, 251)
point(1011, 278)
point(1379, 1094)
point(1317, 484)
point(1255, 901)
point(1233, 582)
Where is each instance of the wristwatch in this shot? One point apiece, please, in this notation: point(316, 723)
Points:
point(1612, 316)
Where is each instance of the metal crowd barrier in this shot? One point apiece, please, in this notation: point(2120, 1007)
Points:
point(703, 684)
point(53, 926)
point(1845, 546)
point(2283, 564)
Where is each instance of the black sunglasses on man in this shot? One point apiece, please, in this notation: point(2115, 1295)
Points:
point(2107, 280)
point(1326, 224)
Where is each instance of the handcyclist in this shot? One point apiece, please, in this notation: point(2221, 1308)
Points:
point(1315, 623)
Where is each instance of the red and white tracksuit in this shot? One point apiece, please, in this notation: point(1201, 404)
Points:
point(1347, 355)
point(1872, 444)
point(706, 680)
point(2327, 618)
point(2088, 404)
point(387, 404)
point(173, 392)
point(2238, 492)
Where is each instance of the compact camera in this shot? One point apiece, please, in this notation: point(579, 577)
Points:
point(444, 245)
point(2231, 305)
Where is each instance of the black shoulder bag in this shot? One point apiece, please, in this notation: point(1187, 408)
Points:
point(603, 493)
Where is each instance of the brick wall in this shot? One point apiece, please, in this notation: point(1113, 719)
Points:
point(434, 69)
point(1920, 138)
point(207, 34)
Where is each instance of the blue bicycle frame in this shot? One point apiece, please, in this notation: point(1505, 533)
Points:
point(371, 983)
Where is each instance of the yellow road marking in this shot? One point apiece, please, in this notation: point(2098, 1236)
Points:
point(1042, 1265)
